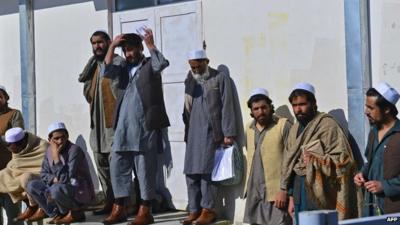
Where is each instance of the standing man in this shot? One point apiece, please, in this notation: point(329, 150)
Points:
point(140, 117)
point(100, 93)
point(380, 177)
point(266, 140)
point(65, 186)
point(318, 163)
point(210, 122)
point(9, 118)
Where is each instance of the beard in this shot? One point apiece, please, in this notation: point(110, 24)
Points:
point(99, 54)
point(304, 119)
point(264, 119)
point(201, 78)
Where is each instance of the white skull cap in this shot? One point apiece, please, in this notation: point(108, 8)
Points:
point(388, 92)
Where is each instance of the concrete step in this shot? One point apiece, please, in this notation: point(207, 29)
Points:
point(170, 218)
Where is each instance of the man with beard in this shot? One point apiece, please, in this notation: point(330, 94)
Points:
point(210, 121)
point(140, 117)
point(8, 118)
point(318, 162)
point(65, 186)
point(100, 93)
point(380, 177)
point(266, 139)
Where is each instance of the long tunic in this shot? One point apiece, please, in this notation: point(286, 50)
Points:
point(200, 146)
point(200, 149)
point(258, 210)
point(374, 203)
point(131, 133)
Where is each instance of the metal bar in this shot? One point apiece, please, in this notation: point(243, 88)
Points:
point(27, 49)
point(358, 66)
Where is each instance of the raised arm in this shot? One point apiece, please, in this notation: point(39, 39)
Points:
point(158, 61)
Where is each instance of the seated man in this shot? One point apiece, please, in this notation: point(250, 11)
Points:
point(65, 186)
point(27, 156)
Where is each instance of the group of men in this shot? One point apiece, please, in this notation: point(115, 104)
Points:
point(307, 165)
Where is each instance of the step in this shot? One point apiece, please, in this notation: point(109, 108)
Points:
point(170, 218)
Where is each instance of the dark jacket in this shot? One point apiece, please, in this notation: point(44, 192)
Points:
point(149, 86)
point(391, 168)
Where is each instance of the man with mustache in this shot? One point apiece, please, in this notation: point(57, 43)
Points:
point(139, 119)
point(380, 177)
point(210, 121)
point(100, 93)
point(266, 139)
point(318, 163)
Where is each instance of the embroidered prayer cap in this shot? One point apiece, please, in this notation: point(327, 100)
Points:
point(387, 92)
point(131, 39)
point(56, 126)
point(14, 134)
point(259, 91)
point(305, 86)
point(197, 54)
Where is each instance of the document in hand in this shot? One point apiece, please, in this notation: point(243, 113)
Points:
point(223, 164)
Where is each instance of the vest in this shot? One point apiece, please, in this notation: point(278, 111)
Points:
point(5, 154)
point(272, 149)
point(391, 167)
point(149, 86)
point(214, 103)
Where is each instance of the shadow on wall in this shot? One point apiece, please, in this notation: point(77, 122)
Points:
point(339, 116)
point(80, 141)
point(284, 111)
point(11, 6)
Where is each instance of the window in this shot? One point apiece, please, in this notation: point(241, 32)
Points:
point(121, 5)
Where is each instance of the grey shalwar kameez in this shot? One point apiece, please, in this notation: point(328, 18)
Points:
point(73, 189)
point(258, 210)
point(135, 146)
point(201, 144)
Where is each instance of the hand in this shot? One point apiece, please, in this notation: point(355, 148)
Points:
point(373, 186)
point(117, 40)
point(306, 157)
point(359, 180)
point(148, 38)
point(281, 199)
point(291, 207)
point(228, 141)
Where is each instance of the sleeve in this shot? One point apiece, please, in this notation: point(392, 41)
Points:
point(158, 61)
point(45, 174)
point(391, 187)
point(228, 116)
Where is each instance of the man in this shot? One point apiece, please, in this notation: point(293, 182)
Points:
point(210, 121)
point(8, 118)
point(140, 117)
point(65, 185)
point(319, 159)
point(100, 93)
point(266, 139)
point(380, 177)
point(27, 156)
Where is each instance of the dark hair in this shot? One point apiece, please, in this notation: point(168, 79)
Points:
point(132, 39)
point(300, 92)
point(381, 102)
point(103, 34)
point(51, 134)
point(5, 94)
point(260, 97)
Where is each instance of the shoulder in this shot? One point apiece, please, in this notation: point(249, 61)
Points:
point(118, 60)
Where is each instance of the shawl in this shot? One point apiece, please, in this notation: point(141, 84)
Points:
point(329, 174)
point(28, 160)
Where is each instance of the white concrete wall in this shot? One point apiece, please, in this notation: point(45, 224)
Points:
point(276, 44)
point(385, 42)
point(10, 52)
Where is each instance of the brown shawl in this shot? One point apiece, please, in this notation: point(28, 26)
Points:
point(329, 174)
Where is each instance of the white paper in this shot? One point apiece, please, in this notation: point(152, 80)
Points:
point(223, 164)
